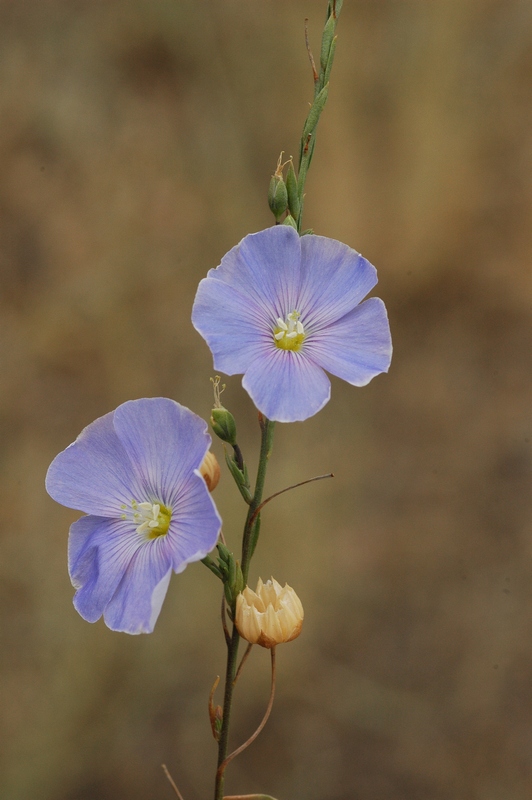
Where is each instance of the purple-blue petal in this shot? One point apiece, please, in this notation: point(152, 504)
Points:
point(94, 474)
point(286, 386)
point(238, 327)
point(165, 442)
point(334, 279)
point(136, 603)
point(356, 347)
point(99, 553)
point(195, 524)
point(266, 267)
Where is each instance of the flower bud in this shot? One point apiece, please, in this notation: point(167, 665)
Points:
point(210, 471)
point(277, 196)
point(223, 424)
point(289, 220)
point(269, 616)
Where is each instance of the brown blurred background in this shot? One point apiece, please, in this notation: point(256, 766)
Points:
point(137, 139)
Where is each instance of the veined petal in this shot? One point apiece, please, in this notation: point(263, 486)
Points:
point(286, 386)
point(194, 526)
point(334, 279)
point(99, 552)
point(165, 442)
point(94, 474)
point(356, 347)
point(239, 326)
point(136, 604)
point(266, 267)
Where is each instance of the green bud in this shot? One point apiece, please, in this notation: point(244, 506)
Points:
point(224, 425)
point(291, 188)
point(277, 196)
point(289, 220)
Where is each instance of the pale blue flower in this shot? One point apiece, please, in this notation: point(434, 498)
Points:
point(281, 309)
point(135, 472)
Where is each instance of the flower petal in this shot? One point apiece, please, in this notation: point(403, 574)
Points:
point(238, 327)
point(165, 441)
point(195, 524)
point(286, 386)
point(356, 347)
point(334, 279)
point(266, 267)
point(136, 604)
point(99, 553)
point(94, 473)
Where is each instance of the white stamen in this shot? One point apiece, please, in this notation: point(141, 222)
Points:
point(291, 330)
point(147, 517)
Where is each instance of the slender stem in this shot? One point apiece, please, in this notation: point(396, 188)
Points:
point(248, 797)
point(253, 736)
point(243, 661)
point(288, 489)
point(267, 428)
point(171, 781)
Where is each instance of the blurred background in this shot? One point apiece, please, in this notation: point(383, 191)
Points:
point(136, 146)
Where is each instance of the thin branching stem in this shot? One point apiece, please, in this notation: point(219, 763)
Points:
point(253, 736)
point(171, 781)
point(243, 661)
point(287, 489)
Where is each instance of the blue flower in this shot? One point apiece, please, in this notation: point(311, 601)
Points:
point(281, 309)
point(135, 472)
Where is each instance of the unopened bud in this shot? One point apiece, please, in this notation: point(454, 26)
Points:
point(289, 220)
point(277, 193)
point(210, 471)
point(224, 425)
point(269, 616)
point(277, 197)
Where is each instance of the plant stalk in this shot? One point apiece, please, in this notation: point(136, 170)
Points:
point(248, 546)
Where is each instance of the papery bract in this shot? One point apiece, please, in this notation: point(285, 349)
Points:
point(135, 472)
point(281, 309)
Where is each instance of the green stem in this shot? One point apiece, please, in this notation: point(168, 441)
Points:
point(248, 545)
point(321, 89)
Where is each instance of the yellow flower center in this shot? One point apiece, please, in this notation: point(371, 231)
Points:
point(152, 519)
point(289, 335)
